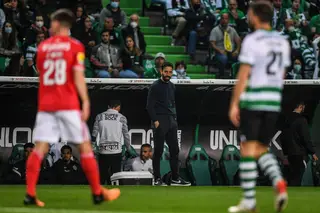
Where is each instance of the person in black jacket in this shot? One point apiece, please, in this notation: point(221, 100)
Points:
point(133, 30)
point(162, 111)
point(296, 143)
point(66, 170)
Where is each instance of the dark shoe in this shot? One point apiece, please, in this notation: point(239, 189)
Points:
point(180, 182)
point(159, 182)
point(32, 201)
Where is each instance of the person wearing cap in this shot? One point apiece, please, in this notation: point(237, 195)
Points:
point(110, 128)
point(155, 71)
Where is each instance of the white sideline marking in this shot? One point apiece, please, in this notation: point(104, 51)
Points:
point(44, 210)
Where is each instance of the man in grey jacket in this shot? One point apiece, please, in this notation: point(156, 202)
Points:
point(112, 129)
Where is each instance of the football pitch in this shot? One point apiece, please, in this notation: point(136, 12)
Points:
point(145, 199)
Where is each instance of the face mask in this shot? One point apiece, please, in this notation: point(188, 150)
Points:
point(291, 29)
point(134, 24)
point(39, 23)
point(180, 71)
point(8, 30)
point(114, 4)
point(297, 67)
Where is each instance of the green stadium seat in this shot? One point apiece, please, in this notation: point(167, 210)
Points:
point(165, 161)
point(151, 30)
point(166, 49)
point(200, 166)
point(235, 69)
point(89, 73)
point(202, 76)
point(307, 179)
point(196, 69)
point(229, 163)
point(17, 154)
point(130, 11)
point(157, 40)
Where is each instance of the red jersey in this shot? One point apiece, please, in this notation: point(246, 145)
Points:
point(57, 58)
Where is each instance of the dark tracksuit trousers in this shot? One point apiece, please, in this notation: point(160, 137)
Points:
point(296, 169)
point(108, 165)
point(166, 132)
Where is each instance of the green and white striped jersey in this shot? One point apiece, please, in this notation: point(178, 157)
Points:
point(268, 53)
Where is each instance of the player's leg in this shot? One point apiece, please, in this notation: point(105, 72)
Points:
point(249, 126)
point(73, 129)
point(46, 131)
point(268, 162)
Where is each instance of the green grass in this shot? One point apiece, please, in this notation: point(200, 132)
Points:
point(143, 199)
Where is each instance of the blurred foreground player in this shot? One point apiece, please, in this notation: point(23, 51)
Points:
point(60, 64)
point(256, 103)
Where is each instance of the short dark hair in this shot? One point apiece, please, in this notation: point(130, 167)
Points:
point(299, 103)
point(263, 10)
point(167, 64)
point(28, 145)
point(114, 103)
point(105, 31)
point(64, 16)
point(178, 63)
point(146, 145)
point(66, 147)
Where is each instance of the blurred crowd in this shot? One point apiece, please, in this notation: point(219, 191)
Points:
point(116, 46)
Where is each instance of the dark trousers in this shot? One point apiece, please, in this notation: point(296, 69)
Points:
point(167, 131)
point(296, 169)
point(108, 165)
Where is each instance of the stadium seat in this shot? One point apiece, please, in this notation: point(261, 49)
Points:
point(200, 166)
point(229, 164)
point(165, 161)
point(17, 154)
point(307, 179)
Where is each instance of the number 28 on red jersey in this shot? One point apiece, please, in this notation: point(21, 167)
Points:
point(58, 58)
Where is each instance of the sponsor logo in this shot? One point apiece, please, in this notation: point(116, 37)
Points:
point(81, 57)
point(9, 137)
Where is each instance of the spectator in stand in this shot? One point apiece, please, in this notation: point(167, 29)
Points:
point(78, 26)
point(88, 36)
point(66, 170)
point(296, 72)
point(44, 7)
point(142, 162)
point(297, 16)
point(226, 44)
point(16, 13)
point(176, 12)
point(113, 9)
point(155, 71)
point(93, 7)
point(35, 28)
point(277, 11)
point(133, 30)
point(199, 24)
point(180, 71)
point(31, 56)
point(309, 59)
point(105, 58)
point(237, 19)
point(114, 33)
point(293, 34)
point(315, 23)
point(8, 37)
point(132, 60)
point(2, 18)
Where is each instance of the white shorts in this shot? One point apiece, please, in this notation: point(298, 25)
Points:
point(64, 124)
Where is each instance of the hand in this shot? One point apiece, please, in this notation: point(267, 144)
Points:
point(85, 110)
point(7, 5)
point(315, 157)
point(156, 124)
point(234, 115)
point(110, 69)
point(235, 53)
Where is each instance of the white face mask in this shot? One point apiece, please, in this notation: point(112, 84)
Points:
point(180, 71)
point(39, 23)
point(291, 29)
point(134, 24)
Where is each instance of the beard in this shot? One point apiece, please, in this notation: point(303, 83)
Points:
point(165, 78)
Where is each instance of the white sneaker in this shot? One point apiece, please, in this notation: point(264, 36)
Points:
point(241, 208)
